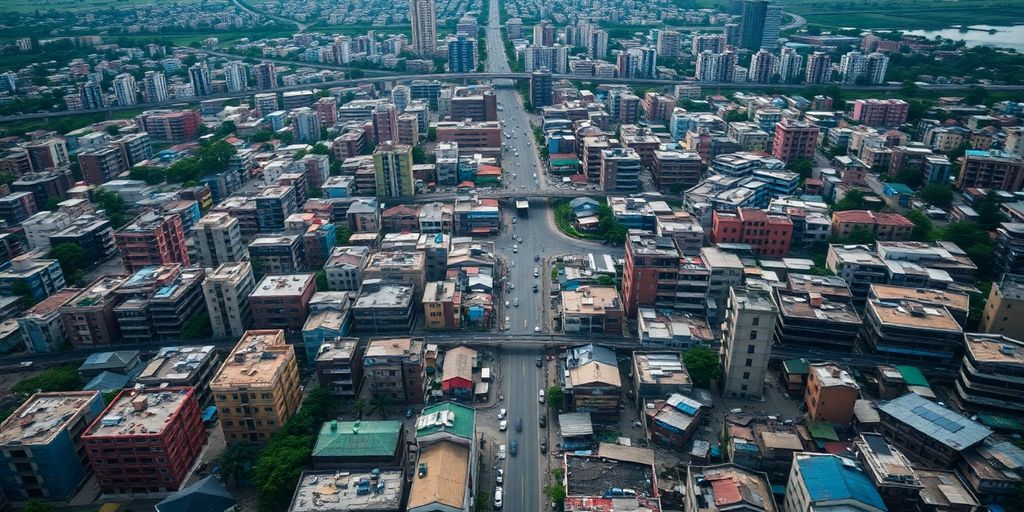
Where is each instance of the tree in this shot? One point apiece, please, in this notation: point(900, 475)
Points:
point(989, 213)
point(909, 89)
point(937, 194)
point(320, 149)
point(923, 226)
point(555, 397)
point(341, 235)
point(964, 234)
point(236, 463)
point(70, 256)
point(853, 200)
point(197, 327)
point(380, 404)
point(226, 128)
point(605, 280)
point(802, 166)
point(419, 155)
point(861, 235)
point(39, 506)
point(58, 378)
point(703, 365)
point(482, 502)
point(556, 493)
point(975, 95)
point(113, 130)
point(216, 157)
point(321, 281)
point(910, 177)
point(360, 408)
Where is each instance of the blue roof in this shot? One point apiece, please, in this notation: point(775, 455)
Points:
point(899, 188)
point(828, 478)
point(935, 421)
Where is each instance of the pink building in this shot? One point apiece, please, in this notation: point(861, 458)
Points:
point(794, 139)
point(872, 112)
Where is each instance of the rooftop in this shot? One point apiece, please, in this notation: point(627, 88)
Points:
point(814, 306)
point(831, 375)
point(347, 256)
point(358, 439)
point(591, 300)
point(383, 295)
point(728, 486)
point(176, 363)
point(825, 285)
point(395, 260)
point(283, 285)
point(995, 348)
point(231, 272)
point(716, 258)
point(394, 347)
point(830, 478)
point(445, 481)
point(943, 490)
point(664, 368)
point(887, 464)
point(753, 299)
point(257, 359)
point(598, 476)
point(338, 349)
point(139, 412)
point(338, 491)
point(935, 421)
point(145, 223)
point(665, 325)
point(855, 254)
point(40, 418)
point(913, 315)
point(653, 246)
point(957, 301)
point(52, 303)
point(447, 417)
point(458, 363)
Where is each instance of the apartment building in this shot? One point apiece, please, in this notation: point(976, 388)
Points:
point(93, 234)
point(218, 240)
point(857, 265)
point(876, 112)
point(339, 367)
point(911, 329)
point(831, 394)
point(991, 169)
point(592, 310)
point(394, 369)
point(152, 240)
point(927, 432)
point(990, 377)
point(282, 301)
point(676, 169)
point(344, 268)
point(158, 302)
point(442, 305)
point(257, 388)
point(146, 441)
point(884, 226)
point(405, 268)
point(41, 325)
point(823, 481)
point(620, 170)
point(815, 320)
point(42, 277)
point(384, 308)
point(273, 205)
point(227, 290)
point(89, 317)
point(769, 235)
point(182, 367)
point(277, 253)
point(794, 140)
point(747, 340)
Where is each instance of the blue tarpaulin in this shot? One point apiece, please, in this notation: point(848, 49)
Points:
point(209, 413)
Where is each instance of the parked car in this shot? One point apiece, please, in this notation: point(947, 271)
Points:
point(503, 425)
point(513, 448)
point(499, 494)
point(502, 413)
point(499, 476)
point(540, 396)
point(543, 420)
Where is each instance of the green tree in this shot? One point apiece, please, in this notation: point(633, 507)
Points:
point(861, 235)
point(923, 226)
point(216, 157)
point(226, 128)
point(937, 194)
point(910, 177)
point(853, 200)
point(58, 378)
point(909, 89)
point(556, 493)
point(703, 365)
point(113, 130)
point(419, 155)
point(70, 256)
point(53, 203)
point(197, 327)
point(555, 397)
point(341, 235)
point(802, 166)
point(39, 506)
point(321, 281)
point(605, 280)
point(321, 149)
point(989, 213)
point(236, 463)
point(380, 404)
point(261, 136)
point(964, 234)
point(975, 95)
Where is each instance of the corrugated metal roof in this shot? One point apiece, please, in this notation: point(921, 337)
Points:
point(935, 421)
point(574, 424)
point(832, 478)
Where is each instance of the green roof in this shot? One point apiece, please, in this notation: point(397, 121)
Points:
point(797, 366)
point(822, 430)
point(1000, 422)
point(913, 376)
point(358, 439)
point(450, 417)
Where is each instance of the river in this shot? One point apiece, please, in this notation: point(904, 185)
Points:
point(1005, 36)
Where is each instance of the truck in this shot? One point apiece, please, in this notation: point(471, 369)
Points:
point(522, 207)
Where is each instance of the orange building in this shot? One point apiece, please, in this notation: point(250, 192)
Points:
point(831, 393)
point(769, 235)
point(885, 226)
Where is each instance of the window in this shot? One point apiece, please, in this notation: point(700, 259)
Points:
point(749, 363)
point(750, 349)
point(746, 375)
point(753, 335)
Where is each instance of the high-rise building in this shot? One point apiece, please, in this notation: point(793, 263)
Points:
point(670, 43)
point(218, 240)
point(257, 388)
point(714, 43)
point(152, 240)
point(424, 27)
point(235, 76)
point(164, 420)
point(543, 34)
point(101, 164)
point(540, 88)
point(992, 169)
point(747, 341)
point(401, 96)
point(327, 111)
point(819, 68)
point(91, 95)
point(764, 67)
point(154, 87)
point(392, 164)
point(307, 125)
point(772, 22)
point(790, 65)
point(597, 44)
point(171, 125)
point(266, 75)
point(732, 34)
point(462, 56)
point(124, 90)
point(199, 77)
point(760, 24)
point(794, 139)
point(715, 67)
point(676, 169)
point(875, 67)
point(227, 290)
point(385, 123)
point(620, 170)
point(553, 58)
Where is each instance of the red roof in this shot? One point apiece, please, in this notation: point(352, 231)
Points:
point(488, 170)
point(727, 490)
point(467, 184)
point(488, 202)
point(578, 178)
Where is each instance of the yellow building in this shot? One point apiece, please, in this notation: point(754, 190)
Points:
point(257, 387)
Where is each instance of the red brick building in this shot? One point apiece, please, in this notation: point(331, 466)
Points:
point(873, 112)
point(794, 139)
point(145, 441)
point(769, 235)
point(170, 125)
point(652, 263)
point(885, 226)
point(152, 240)
point(282, 301)
point(470, 135)
point(991, 169)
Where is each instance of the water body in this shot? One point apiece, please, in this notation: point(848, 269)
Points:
point(979, 35)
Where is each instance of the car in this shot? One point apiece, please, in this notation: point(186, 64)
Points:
point(499, 476)
point(506, 303)
point(536, 272)
point(502, 414)
point(543, 420)
point(511, 286)
point(513, 448)
point(540, 362)
point(536, 257)
point(408, 413)
point(519, 424)
point(501, 452)
point(515, 250)
point(534, 175)
point(503, 425)
point(540, 396)
point(534, 288)
point(536, 329)
point(543, 446)
point(514, 220)
point(499, 494)
point(515, 175)
point(515, 302)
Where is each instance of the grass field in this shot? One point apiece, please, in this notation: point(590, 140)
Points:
point(85, 5)
point(905, 14)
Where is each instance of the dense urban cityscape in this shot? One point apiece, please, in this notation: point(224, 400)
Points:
point(470, 256)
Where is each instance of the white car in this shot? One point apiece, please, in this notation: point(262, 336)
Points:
point(534, 175)
point(502, 413)
point(499, 493)
point(502, 452)
point(503, 425)
point(540, 396)
point(536, 329)
point(500, 476)
point(536, 272)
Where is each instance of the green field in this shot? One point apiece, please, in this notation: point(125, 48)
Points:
point(905, 14)
point(86, 5)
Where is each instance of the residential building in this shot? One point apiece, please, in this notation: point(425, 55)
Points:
point(760, 24)
point(927, 432)
point(282, 301)
point(814, 319)
point(592, 382)
point(673, 329)
point(883, 226)
point(89, 317)
point(165, 422)
point(470, 135)
point(384, 308)
point(424, 27)
point(152, 240)
point(379, 491)
point(768, 234)
point(41, 325)
point(41, 445)
point(404, 268)
point(911, 329)
point(944, 491)
point(620, 170)
point(462, 54)
point(218, 240)
point(657, 375)
point(447, 461)
point(831, 394)
point(990, 374)
point(394, 369)
point(592, 310)
point(857, 265)
point(890, 471)
point(794, 140)
point(747, 340)
point(676, 169)
point(227, 290)
point(442, 305)
point(993, 471)
point(339, 368)
point(171, 126)
point(273, 205)
point(724, 487)
point(17, 207)
point(344, 268)
point(875, 112)
point(991, 169)
point(158, 303)
point(825, 481)
point(277, 254)
point(181, 367)
point(30, 271)
point(647, 259)
point(392, 165)
point(588, 477)
point(257, 388)
point(354, 445)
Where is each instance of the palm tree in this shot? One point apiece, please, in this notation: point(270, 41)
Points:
point(380, 404)
point(360, 408)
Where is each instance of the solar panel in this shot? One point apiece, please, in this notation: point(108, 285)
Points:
point(956, 427)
